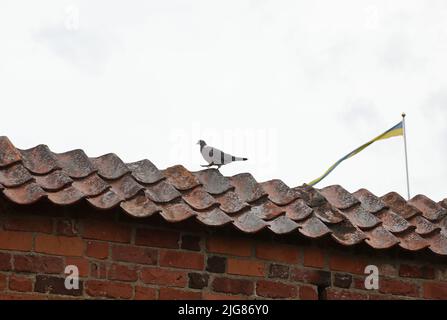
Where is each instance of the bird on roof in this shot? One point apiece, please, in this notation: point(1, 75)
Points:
point(216, 157)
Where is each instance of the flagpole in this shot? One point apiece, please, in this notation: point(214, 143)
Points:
point(406, 154)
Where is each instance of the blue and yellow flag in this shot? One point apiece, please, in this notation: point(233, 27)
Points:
point(397, 130)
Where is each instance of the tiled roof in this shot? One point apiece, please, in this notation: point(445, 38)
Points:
point(142, 190)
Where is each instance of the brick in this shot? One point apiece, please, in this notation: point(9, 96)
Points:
point(342, 280)
point(177, 294)
point(97, 250)
point(157, 238)
point(198, 280)
point(134, 254)
point(435, 290)
point(359, 283)
point(315, 277)
point(339, 294)
point(16, 240)
point(82, 264)
point(350, 264)
point(67, 227)
point(178, 259)
point(98, 270)
point(383, 297)
point(108, 289)
point(229, 246)
point(234, 286)
point(59, 245)
point(308, 293)
point(106, 230)
point(5, 261)
point(190, 242)
point(388, 270)
point(3, 280)
point(275, 290)
point(29, 223)
point(398, 287)
point(278, 271)
point(55, 285)
point(412, 271)
point(164, 277)
point(145, 293)
point(122, 273)
point(246, 267)
point(38, 264)
point(220, 296)
point(277, 252)
point(216, 264)
point(22, 296)
point(20, 283)
point(314, 257)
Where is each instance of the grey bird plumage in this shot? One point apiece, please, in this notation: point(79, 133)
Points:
point(216, 157)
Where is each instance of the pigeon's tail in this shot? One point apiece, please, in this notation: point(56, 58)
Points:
point(239, 159)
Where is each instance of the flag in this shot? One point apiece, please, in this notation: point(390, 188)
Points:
point(397, 130)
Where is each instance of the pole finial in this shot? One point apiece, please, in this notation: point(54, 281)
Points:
point(403, 114)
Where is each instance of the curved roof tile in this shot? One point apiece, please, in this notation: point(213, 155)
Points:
point(141, 190)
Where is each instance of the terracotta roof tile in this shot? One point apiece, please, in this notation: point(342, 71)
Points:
point(177, 212)
point(126, 186)
point(109, 166)
point(392, 221)
point(282, 225)
point(346, 233)
point(249, 222)
point(361, 218)
point(423, 226)
point(400, 205)
point(181, 178)
point(145, 171)
point(338, 197)
point(199, 199)
point(410, 240)
point(105, 200)
point(230, 202)
point(25, 194)
point(369, 201)
point(279, 193)
point(380, 238)
point(214, 218)
point(75, 163)
point(8, 153)
point(14, 175)
point(213, 181)
point(140, 206)
point(39, 160)
point(267, 210)
point(53, 181)
point(313, 228)
point(247, 188)
point(91, 186)
point(430, 209)
point(328, 214)
point(65, 196)
point(176, 194)
point(298, 210)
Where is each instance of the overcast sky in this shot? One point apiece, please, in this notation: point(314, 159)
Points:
point(292, 85)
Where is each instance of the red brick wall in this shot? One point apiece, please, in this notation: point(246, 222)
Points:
point(124, 258)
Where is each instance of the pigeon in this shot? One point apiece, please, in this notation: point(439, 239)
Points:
point(216, 157)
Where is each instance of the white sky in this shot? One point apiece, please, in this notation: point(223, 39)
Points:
point(292, 85)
